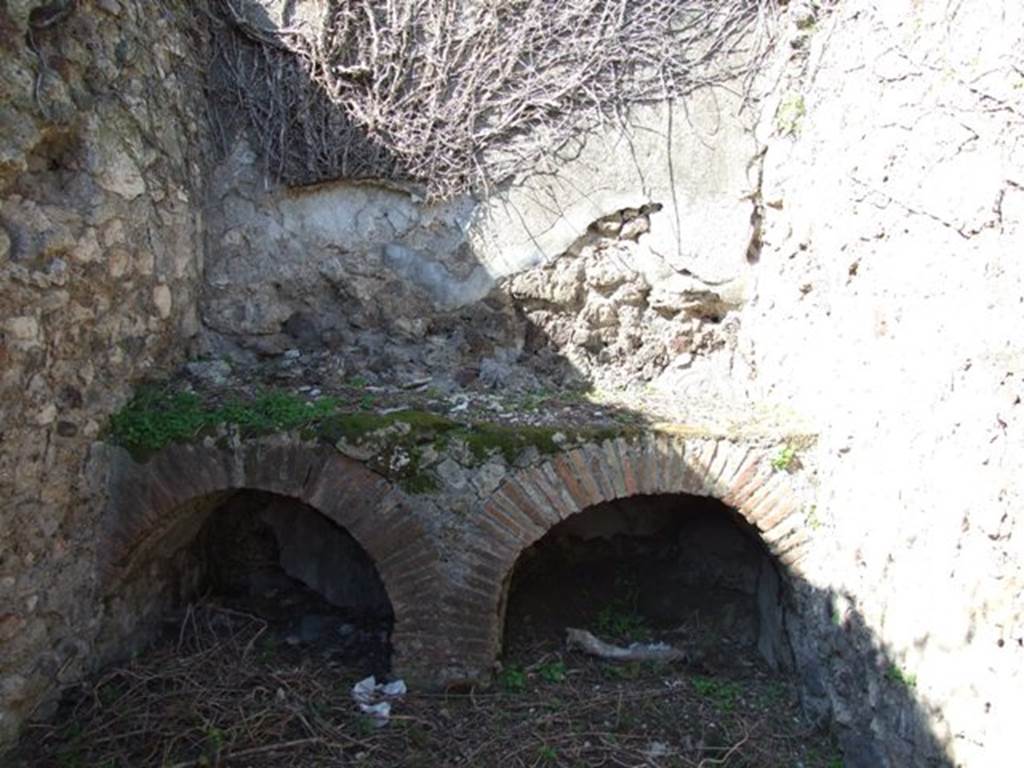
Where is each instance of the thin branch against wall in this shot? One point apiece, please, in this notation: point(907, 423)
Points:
point(461, 95)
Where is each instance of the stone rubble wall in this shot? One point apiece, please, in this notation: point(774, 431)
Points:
point(401, 290)
point(100, 260)
point(593, 314)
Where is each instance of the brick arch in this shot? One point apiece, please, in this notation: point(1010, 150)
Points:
point(532, 500)
point(147, 499)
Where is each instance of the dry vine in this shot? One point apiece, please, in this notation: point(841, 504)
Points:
point(460, 95)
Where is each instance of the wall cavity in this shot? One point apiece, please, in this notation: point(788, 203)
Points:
point(683, 568)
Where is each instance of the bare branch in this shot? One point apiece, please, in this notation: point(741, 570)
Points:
point(463, 95)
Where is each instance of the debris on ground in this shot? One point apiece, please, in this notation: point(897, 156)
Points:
point(224, 691)
point(581, 639)
point(374, 699)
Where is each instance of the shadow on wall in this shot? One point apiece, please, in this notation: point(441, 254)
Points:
point(694, 568)
point(263, 85)
point(689, 554)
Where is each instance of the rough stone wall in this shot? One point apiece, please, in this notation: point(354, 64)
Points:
point(327, 267)
point(99, 264)
point(594, 314)
point(888, 306)
point(398, 290)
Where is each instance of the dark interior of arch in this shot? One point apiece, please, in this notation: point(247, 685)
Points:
point(682, 569)
point(283, 561)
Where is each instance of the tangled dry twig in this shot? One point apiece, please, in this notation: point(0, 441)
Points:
point(460, 95)
point(220, 690)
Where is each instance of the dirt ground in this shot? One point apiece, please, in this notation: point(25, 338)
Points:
point(224, 689)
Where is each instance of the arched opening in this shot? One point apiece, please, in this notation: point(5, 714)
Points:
point(260, 555)
point(680, 569)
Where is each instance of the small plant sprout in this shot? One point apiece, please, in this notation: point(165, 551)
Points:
point(790, 114)
point(900, 676)
point(721, 692)
point(618, 621)
point(513, 679)
point(553, 672)
point(785, 460)
point(547, 754)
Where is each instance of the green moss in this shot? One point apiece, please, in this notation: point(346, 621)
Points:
point(398, 443)
point(414, 478)
point(423, 426)
point(350, 427)
point(425, 421)
point(275, 412)
point(895, 674)
point(485, 440)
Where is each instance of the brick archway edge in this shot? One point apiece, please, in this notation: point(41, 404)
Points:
point(145, 499)
point(532, 500)
point(448, 612)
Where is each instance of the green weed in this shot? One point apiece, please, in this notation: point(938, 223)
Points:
point(619, 619)
point(723, 693)
point(512, 678)
point(366, 725)
point(553, 672)
point(157, 417)
point(154, 418)
point(895, 674)
point(213, 744)
point(785, 460)
point(774, 694)
point(790, 114)
point(534, 400)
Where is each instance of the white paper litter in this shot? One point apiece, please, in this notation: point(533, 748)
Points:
point(657, 749)
point(368, 694)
